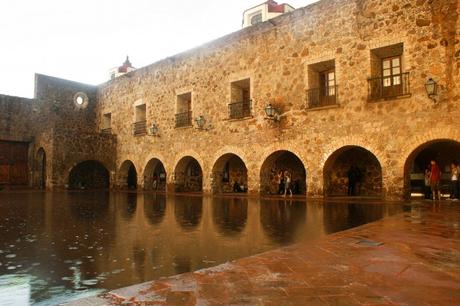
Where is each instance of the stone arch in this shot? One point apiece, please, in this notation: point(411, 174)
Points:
point(40, 168)
point(127, 175)
point(229, 174)
point(155, 175)
point(353, 162)
point(282, 160)
point(443, 151)
point(188, 175)
point(90, 174)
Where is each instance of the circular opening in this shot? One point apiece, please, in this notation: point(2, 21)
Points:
point(79, 100)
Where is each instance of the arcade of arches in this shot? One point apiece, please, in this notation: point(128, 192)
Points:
point(229, 173)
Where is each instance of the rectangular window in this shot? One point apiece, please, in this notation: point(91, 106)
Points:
point(184, 110)
point(322, 85)
point(240, 99)
point(107, 123)
point(388, 79)
point(140, 124)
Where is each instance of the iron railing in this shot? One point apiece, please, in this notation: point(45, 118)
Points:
point(393, 86)
point(238, 110)
point(183, 119)
point(106, 131)
point(140, 128)
point(324, 96)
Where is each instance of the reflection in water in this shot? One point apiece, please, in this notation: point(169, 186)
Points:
point(339, 216)
point(154, 208)
point(281, 220)
point(182, 264)
point(89, 206)
point(58, 246)
point(188, 211)
point(130, 205)
point(230, 215)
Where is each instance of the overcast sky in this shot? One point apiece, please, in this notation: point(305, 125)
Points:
point(81, 40)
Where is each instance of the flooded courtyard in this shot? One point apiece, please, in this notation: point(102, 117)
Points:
point(56, 247)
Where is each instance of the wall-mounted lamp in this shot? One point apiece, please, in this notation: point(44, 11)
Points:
point(431, 89)
point(200, 122)
point(272, 113)
point(153, 130)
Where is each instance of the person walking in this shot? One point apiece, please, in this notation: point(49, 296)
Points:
point(287, 183)
point(435, 179)
point(454, 172)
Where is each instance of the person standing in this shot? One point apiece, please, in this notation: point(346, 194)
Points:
point(427, 182)
point(287, 183)
point(280, 181)
point(351, 181)
point(454, 172)
point(435, 179)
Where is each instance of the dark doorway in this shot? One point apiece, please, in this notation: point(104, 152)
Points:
point(41, 169)
point(282, 161)
point(188, 175)
point(14, 163)
point(356, 164)
point(229, 175)
point(132, 177)
point(443, 151)
point(89, 175)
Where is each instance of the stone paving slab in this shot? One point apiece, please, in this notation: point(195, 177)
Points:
point(409, 259)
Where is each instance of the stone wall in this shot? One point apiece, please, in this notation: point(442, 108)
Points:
point(275, 56)
point(16, 118)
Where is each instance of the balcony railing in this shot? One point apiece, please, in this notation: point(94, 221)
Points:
point(183, 119)
point(392, 86)
point(238, 110)
point(140, 128)
point(106, 131)
point(324, 96)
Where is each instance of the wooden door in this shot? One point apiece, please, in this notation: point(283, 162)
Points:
point(13, 163)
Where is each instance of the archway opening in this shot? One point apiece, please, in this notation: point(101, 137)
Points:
point(444, 152)
point(40, 163)
point(155, 176)
point(229, 174)
point(188, 176)
point(89, 174)
point(352, 171)
point(127, 175)
point(280, 162)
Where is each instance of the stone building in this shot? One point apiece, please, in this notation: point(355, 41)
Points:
point(344, 80)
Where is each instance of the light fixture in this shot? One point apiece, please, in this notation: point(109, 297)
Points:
point(431, 89)
point(153, 130)
point(201, 122)
point(272, 113)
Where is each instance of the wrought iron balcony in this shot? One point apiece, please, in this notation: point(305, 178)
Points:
point(387, 87)
point(238, 110)
point(324, 96)
point(106, 131)
point(183, 119)
point(140, 128)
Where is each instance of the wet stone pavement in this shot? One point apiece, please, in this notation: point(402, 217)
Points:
point(412, 258)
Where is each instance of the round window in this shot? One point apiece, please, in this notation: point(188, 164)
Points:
point(81, 100)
